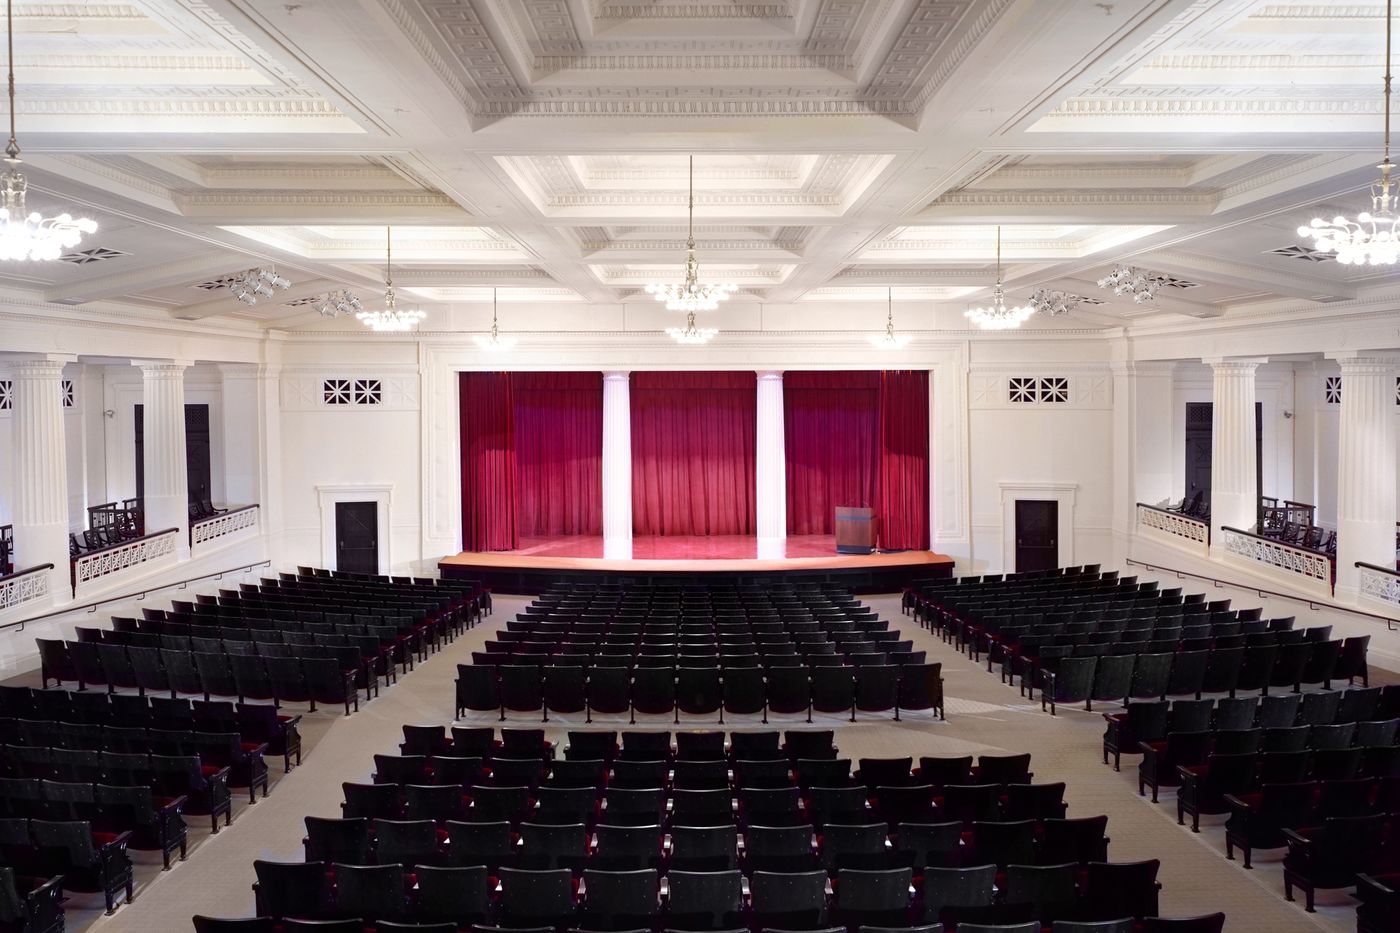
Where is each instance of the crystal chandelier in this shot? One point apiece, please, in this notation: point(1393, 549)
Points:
point(997, 315)
point(888, 339)
point(690, 295)
point(1052, 303)
point(1373, 238)
point(338, 302)
point(690, 334)
point(391, 318)
point(25, 234)
point(1130, 280)
point(494, 340)
point(251, 284)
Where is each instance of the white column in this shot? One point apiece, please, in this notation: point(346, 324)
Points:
point(166, 493)
point(617, 465)
point(40, 512)
point(1234, 468)
point(770, 468)
point(1365, 468)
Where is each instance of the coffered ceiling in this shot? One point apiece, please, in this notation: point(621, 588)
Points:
point(841, 147)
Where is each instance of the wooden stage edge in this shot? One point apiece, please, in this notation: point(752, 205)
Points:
point(507, 572)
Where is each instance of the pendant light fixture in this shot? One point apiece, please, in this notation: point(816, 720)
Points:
point(690, 295)
point(889, 340)
point(25, 234)
point(1373, 238)
point(390, 319)
point(997, 315)
point(690, 333)
point(495, 341)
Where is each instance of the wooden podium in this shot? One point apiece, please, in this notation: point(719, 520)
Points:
point(856, 530)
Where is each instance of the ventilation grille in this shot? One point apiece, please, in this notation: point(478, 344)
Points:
point(1172, 281)
point(1030, 390)
point(303, 302)
point(352, 392)
point(1332, 390)
point(86, 256)
point(1300, 252)
point(223, 281)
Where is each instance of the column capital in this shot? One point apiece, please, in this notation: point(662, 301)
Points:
point(770, 374)
point(617, 374)
point(45, 364)
point(158, 366)
point(1239, 364)
point(1357, 362)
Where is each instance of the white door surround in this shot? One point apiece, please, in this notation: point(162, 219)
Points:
point(1063, 493)
point(378, 493)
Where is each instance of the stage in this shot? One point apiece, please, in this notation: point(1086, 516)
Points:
point(538, 562)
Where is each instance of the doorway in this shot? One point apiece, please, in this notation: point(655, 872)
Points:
point(1199, 436)
point(357, 537)
point(1037, 534)
point(197, 460)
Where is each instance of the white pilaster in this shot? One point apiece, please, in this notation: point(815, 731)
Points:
point(166, 492)
point(1365, 468)
point(1142, 439)
point(1234, 461)
point(40, 512)
point(617, 465)
point(253, 442)
point(770, 468)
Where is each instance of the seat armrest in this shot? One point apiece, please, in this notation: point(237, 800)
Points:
point(174, 805)
point(1296, 839)
point(1241, 806)
point(117, 842)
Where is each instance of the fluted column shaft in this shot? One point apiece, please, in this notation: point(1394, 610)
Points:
point(166, 492)
point(1365, 468)
point(1234, 458)
point(40, 509)
point(770, 468)
point(617, 465)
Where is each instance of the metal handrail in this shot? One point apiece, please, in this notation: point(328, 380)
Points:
point(1391, 624)
point(1390, 570)
point(224, 513)
point(136, 594)
point(20, 573)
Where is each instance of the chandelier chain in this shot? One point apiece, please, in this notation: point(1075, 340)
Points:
point(12, 148)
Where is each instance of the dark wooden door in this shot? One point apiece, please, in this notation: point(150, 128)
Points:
point(357, 537)
point(1037, 534)
point(197, 460)
point(1199, 436)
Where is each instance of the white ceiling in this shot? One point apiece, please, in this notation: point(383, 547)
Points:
point(840, 147)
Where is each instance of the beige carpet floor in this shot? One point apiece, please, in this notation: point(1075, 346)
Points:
point(983, 715)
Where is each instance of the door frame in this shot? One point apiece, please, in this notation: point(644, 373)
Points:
point(1063, 493)
point(380, 494)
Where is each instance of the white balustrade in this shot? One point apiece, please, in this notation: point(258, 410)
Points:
point(1177, 529)
point(1308, 570)
point(1379, 584)
point(26, 586)
point(98, 566)
point(227, 528)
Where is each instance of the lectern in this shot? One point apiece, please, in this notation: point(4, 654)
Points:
point(855, 530)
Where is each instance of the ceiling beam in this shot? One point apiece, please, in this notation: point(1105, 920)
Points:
point(1247, 275)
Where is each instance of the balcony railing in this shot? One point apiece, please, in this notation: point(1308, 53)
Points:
point(24, 586)
point(1183, 530)
point(1377, 582)
point(1312, 569)
point(104, 562)
point(225, 528)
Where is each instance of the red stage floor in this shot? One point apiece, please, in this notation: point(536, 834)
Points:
point(657, 547)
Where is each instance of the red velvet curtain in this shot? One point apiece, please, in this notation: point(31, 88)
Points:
point(488, 462)
point(558, 453)
point(831, 435)
point(902, 485)
point(693, 453)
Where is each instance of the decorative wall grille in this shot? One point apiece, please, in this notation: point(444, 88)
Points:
point(352, 391)
point(88, 567)
point(70, 396)
point(1379, 585)
point(1332, 390)
point(221, 526)
point(24, 587)
point(7, 395)
point(1039, 389)
point(1306, 564)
